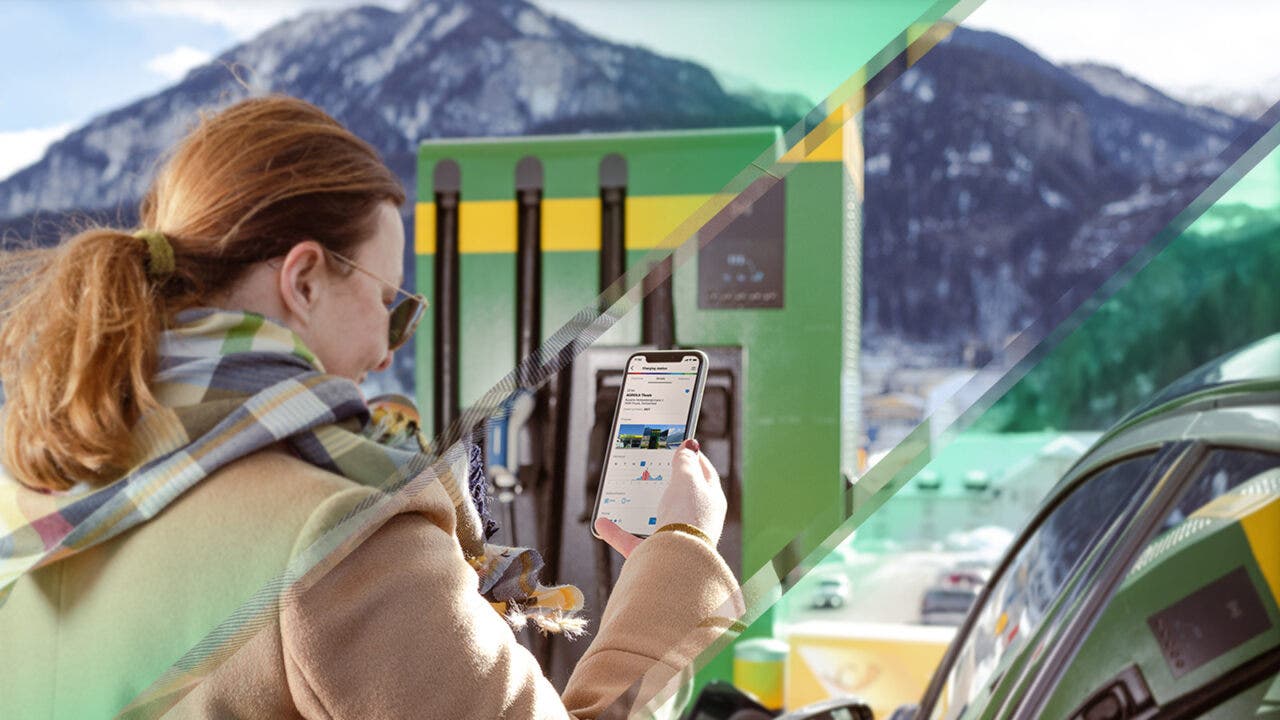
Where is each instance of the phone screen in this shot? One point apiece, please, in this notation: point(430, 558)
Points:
point(657, 408)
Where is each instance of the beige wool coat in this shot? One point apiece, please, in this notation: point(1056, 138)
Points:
point(392, 629)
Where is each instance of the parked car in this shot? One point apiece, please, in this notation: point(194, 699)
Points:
point(832, 592)
point(947, 604)
point(965, 573)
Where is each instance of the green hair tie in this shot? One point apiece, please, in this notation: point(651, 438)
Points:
point(160, 253)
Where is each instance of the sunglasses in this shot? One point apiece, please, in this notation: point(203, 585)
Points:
point(404, 315)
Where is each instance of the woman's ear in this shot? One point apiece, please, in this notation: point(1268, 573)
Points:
point(302, 277)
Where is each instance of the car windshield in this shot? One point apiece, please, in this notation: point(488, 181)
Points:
point(1021, 596)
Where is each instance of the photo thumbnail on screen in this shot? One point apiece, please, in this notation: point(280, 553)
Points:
point(649, 437)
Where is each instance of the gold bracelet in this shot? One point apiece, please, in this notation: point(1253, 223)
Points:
point(685, 528)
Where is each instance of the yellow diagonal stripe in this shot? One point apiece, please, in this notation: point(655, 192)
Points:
point(1262, 527)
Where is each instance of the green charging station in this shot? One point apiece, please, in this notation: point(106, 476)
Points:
point(515, 236)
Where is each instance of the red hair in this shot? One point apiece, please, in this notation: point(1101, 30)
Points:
point(80, 321)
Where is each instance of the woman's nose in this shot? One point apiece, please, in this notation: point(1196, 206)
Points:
point(386, 362)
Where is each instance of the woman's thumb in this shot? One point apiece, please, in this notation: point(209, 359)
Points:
point(618, 539)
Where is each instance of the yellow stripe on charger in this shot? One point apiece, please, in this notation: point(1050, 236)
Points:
point(568, 224)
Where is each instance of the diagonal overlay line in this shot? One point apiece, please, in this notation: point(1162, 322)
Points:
point(552, 356)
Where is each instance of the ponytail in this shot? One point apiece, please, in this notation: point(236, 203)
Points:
point(77, 351)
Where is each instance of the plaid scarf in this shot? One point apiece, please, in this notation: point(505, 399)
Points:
point(230, 384)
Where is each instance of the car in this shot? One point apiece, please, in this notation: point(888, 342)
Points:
point(832, 591)
point(964, 574)
point(947, 604)
point(1147, 583)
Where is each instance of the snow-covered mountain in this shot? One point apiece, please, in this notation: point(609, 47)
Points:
point(440, 68)
point(996, 180)
point(1241, 103)
point(1114, 83)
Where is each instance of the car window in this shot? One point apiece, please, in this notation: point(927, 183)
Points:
point(1021, 596)
point(1190, 609)
point(1224, 470)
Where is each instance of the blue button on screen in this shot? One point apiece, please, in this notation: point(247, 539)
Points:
point(653, 521)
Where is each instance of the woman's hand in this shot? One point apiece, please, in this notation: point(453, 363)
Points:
point(693, 497)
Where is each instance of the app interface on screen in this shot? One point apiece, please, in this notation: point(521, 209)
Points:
point(650, 427)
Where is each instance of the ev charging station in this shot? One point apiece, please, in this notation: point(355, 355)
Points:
point(515, 236)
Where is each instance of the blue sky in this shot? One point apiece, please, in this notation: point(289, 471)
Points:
point(68, 60)
point(71, 58)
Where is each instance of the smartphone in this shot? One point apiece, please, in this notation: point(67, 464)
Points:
point(657, 409)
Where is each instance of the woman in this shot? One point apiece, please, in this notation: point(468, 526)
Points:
point(181, 426)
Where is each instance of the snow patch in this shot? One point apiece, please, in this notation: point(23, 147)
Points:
point(955, 162)
point(1113, 83)
point(1141, 200)
point(878, 164)
point(909, 79)
point(924, 91)
point(548, 74)
point(533, 23)
point(542, 102)
point(918, 84)
point(116, 142)
point(375, 66)
point(1053, 198)
point(410, 125)
point(450, 21)
point(980, 152)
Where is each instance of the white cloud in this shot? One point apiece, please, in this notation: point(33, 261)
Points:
point(245, 18)
point(175, 63)
point(21, 148)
